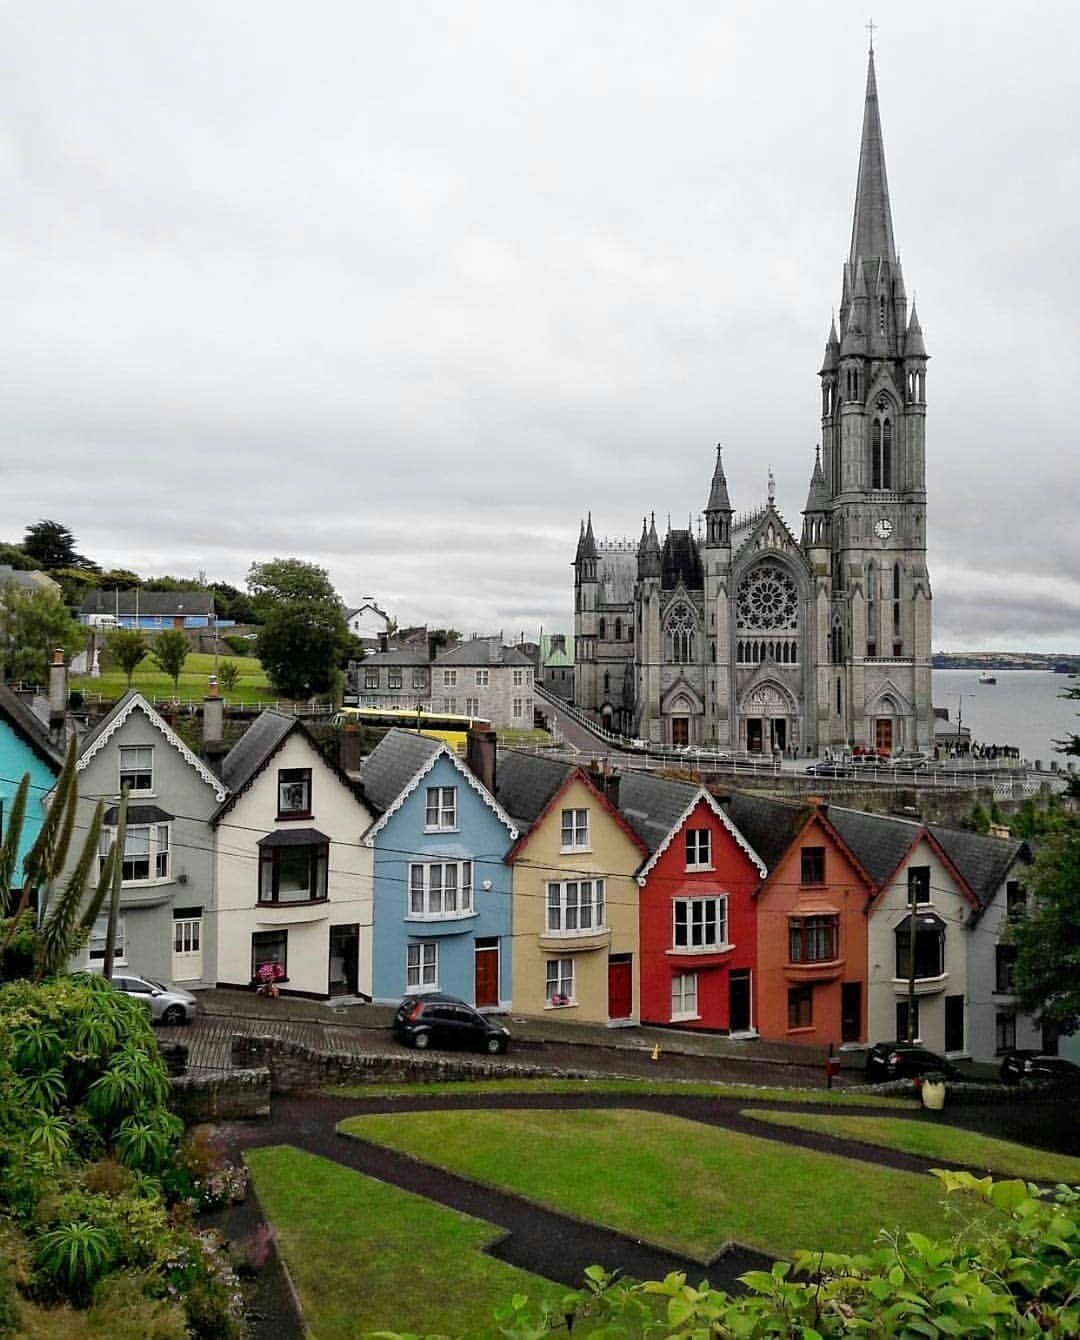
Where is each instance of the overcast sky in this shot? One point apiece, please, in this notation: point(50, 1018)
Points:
point(405, 288)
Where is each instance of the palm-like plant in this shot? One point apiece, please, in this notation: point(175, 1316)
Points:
point(75, 1256)
point(50, 1135)
point(42, 1089)
point(64, 922)
point(146, 1144)
point(35, 1045)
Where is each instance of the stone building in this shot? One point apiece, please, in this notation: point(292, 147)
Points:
point(740, 635)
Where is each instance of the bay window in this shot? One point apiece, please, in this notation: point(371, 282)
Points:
point(813, 939)
point(439, 889)
point(292, 872)
point(146, 852)
point(700, 923)
point(575, 906)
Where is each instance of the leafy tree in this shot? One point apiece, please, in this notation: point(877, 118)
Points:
point(229, 603)
point(168, 583)
point(12, 556)
point(1046, 978)
point(228, 673)
point(284, 580)
point(1071, 743)
point(170, 652)
point(300, 645)
point(32, 625)
point(119, 579)
point(443, 637)
point(127, 647)
point(51, 545)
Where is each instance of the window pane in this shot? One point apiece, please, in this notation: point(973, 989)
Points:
point(416, 889)
point(294, 874)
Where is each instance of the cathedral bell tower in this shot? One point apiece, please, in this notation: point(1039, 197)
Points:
point(868, 497)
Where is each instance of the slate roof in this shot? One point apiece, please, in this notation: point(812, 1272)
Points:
point(482, 651)
point(151, 603)
point(392, 765)
point(29, 727)
point(769, 825)
point(652, 806)
point(395, 656)
point(878, 841)
point(681, 562)
point(525, 783)
point(251, 752)
point(983, 861)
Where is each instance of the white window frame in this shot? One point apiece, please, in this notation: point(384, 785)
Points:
point(472, 707)
point(441, 809)
point(575, 907)
point(434, 884)
point(697, 919)
point(483, 678)
point(555, 983)
point(421, 963)
point(518, 711)
point(575, 824)
point(684, 996)
point(136, 769)
point(96, 947)
point(519, 678)
point(449, 705)
point(449, 679)
point(698, 839)
point(158, 851)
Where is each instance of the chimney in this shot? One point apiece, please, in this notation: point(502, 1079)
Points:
point(213, 722)
point(57, 694)
point(607, 783)
point(480, 756)
point(384, 641)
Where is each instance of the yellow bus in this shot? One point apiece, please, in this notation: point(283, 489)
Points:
point(449, 726)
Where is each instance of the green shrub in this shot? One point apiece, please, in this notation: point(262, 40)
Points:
point(74, 1257)
point(126, 1308)
point(239, 646)
point(108, 1178)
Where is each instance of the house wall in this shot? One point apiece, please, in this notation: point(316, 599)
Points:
point(784, 896)
point(732, 874)
point(986, 1002)
point(884, 991)
point(495, 700)
point(613, 855)
point(336, 812)
point(481, 837)
point(148, 906)
point(16, 760)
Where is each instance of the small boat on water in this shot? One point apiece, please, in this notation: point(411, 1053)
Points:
point(987, 678)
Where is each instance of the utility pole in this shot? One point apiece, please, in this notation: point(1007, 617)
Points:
point(114, 893)
point(911, 960)
point(960, 716)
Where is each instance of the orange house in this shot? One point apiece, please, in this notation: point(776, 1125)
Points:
point(811, 925)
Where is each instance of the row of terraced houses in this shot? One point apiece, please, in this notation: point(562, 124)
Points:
point(516, 880)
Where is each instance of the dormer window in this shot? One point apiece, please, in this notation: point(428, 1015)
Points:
point(137, 768)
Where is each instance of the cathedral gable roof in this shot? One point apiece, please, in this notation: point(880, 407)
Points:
point(768, 531)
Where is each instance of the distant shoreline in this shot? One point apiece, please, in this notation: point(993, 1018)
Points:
point(1061, 662)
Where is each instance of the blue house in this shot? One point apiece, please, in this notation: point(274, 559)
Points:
point(442, 905)
point(25, 747)
point(150, 611)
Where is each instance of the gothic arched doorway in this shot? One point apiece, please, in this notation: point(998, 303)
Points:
point(768, 720)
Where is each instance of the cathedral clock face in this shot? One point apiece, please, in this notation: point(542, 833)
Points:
point(883, 528)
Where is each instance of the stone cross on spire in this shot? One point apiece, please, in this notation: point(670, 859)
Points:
point(871, 25)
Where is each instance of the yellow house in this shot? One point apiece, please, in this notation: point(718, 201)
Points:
point(575, 896)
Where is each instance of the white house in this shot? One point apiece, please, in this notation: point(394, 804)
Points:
point(294, 878)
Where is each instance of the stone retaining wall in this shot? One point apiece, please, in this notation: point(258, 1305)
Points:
point(294, 1066)
point(222, 1095)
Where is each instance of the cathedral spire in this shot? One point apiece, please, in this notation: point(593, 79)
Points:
point(718, 493)
point(871, 229)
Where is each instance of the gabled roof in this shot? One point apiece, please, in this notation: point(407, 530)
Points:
point(96, 740)
point(396, 656)
point(983, 861)
point(524, 783)
point(482, 651)
point(882, 842)
point(150, 603)
point(257, 747)
point(392, 764)
point(574, 774)
point(658, 807)
point(29, 727)
point(770, 826)
point(387, 771)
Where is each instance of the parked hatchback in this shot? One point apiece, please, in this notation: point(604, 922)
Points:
point(167, 1004)
point(904, 1060)
point(1052, 1070)
point(437, 1020)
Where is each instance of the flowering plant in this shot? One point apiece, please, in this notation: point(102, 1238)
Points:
point(269, 974)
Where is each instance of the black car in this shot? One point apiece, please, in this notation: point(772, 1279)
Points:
point(1052, 1070)
point(904, 1060)
point(437, 1020)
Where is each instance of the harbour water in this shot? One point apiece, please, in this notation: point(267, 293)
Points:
point(1022, 709)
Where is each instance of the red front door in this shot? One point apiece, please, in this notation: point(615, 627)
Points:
point(487, 974)
point(883, 735)
point(620, 987)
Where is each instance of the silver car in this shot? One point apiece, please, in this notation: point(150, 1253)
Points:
point(167, 1004)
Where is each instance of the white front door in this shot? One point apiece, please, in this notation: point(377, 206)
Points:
point(187, 949)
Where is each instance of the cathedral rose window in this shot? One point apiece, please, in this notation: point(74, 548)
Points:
point(767, 600)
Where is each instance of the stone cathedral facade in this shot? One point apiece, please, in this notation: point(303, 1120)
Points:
point(742, 636)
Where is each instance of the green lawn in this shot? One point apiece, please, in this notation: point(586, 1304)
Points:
point(935, 1141)
point(511, 738)
point(677, 1183)
point(366, 1257)
point(251, 687)
point(684, 1089)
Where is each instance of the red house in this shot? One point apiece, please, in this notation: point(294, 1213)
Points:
point(696, 907)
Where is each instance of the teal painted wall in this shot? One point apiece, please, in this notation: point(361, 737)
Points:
point(17, 758)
